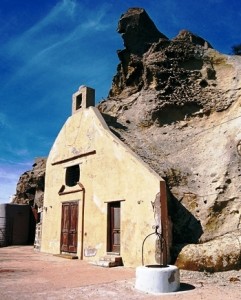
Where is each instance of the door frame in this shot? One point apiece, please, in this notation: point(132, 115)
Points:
point(111, 247)
point(71, 248)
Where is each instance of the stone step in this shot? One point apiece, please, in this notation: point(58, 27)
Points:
point(109, 261)
point(68, 256)
point(112, 258)
point(105, 264)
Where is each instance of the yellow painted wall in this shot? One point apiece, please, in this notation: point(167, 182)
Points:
point(113, 173)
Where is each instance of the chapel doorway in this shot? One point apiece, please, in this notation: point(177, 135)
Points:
point(69, 227)
point(113, 227)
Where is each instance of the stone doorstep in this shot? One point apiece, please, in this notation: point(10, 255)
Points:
point(109, 261)
point(111, 258)
point(68, 256)
point(105, 264)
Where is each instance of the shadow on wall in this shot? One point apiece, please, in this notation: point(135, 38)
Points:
point(15, 223)
point(171, 113)
point(186, 229)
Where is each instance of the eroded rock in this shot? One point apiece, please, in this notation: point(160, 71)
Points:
point(30, 187)
point(220, 254)
point(138, 31)
point(177, 104)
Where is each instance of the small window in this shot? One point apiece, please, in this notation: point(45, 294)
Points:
point(72, 175)
point(79, 101)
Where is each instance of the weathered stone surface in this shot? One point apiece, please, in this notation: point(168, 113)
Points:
point(178, 106)
point(187, 36)
point(30, 187)
point(138, 31)
point(220, 254)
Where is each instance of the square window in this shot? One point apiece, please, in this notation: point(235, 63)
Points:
point(72, 175)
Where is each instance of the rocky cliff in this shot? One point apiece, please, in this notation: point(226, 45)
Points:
point(177, 104)
point(30, 187)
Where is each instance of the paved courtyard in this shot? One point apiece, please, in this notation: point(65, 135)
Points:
point(27, 274)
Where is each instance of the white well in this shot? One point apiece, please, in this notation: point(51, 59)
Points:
point(157, 279)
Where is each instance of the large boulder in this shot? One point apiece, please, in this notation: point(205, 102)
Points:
point(220, 254)
point(177, 104)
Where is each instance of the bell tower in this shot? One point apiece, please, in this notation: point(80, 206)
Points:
point(83, 98)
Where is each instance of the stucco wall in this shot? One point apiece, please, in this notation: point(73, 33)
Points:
point(113, 173)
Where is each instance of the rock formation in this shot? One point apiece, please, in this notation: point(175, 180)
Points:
point(30, 187)
point(177, 104)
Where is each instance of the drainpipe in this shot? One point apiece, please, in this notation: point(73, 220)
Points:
point(82, 223)
point(164, 220)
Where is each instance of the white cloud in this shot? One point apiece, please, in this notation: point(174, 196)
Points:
point(11, 148)
point(65, 7)
point(6, 176)
point(9, 176)
point(40, 35)
point(46, 42)
point(61, 25)
point(3, 121)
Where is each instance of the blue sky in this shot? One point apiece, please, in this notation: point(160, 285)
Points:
point(51, 47)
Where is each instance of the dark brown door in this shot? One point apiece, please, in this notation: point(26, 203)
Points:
point(69, 227)
point(114, 227)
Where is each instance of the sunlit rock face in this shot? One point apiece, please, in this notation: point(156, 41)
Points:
point(30, 187)
point(177, 104)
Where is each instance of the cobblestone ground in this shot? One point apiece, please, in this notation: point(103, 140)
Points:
point(26, 274)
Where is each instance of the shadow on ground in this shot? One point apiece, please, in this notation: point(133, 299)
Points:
point(184, 287)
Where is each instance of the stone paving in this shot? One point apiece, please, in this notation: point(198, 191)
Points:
point(27, 274)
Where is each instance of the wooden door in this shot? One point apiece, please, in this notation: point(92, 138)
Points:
point(114, 231)
point(69, 227)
